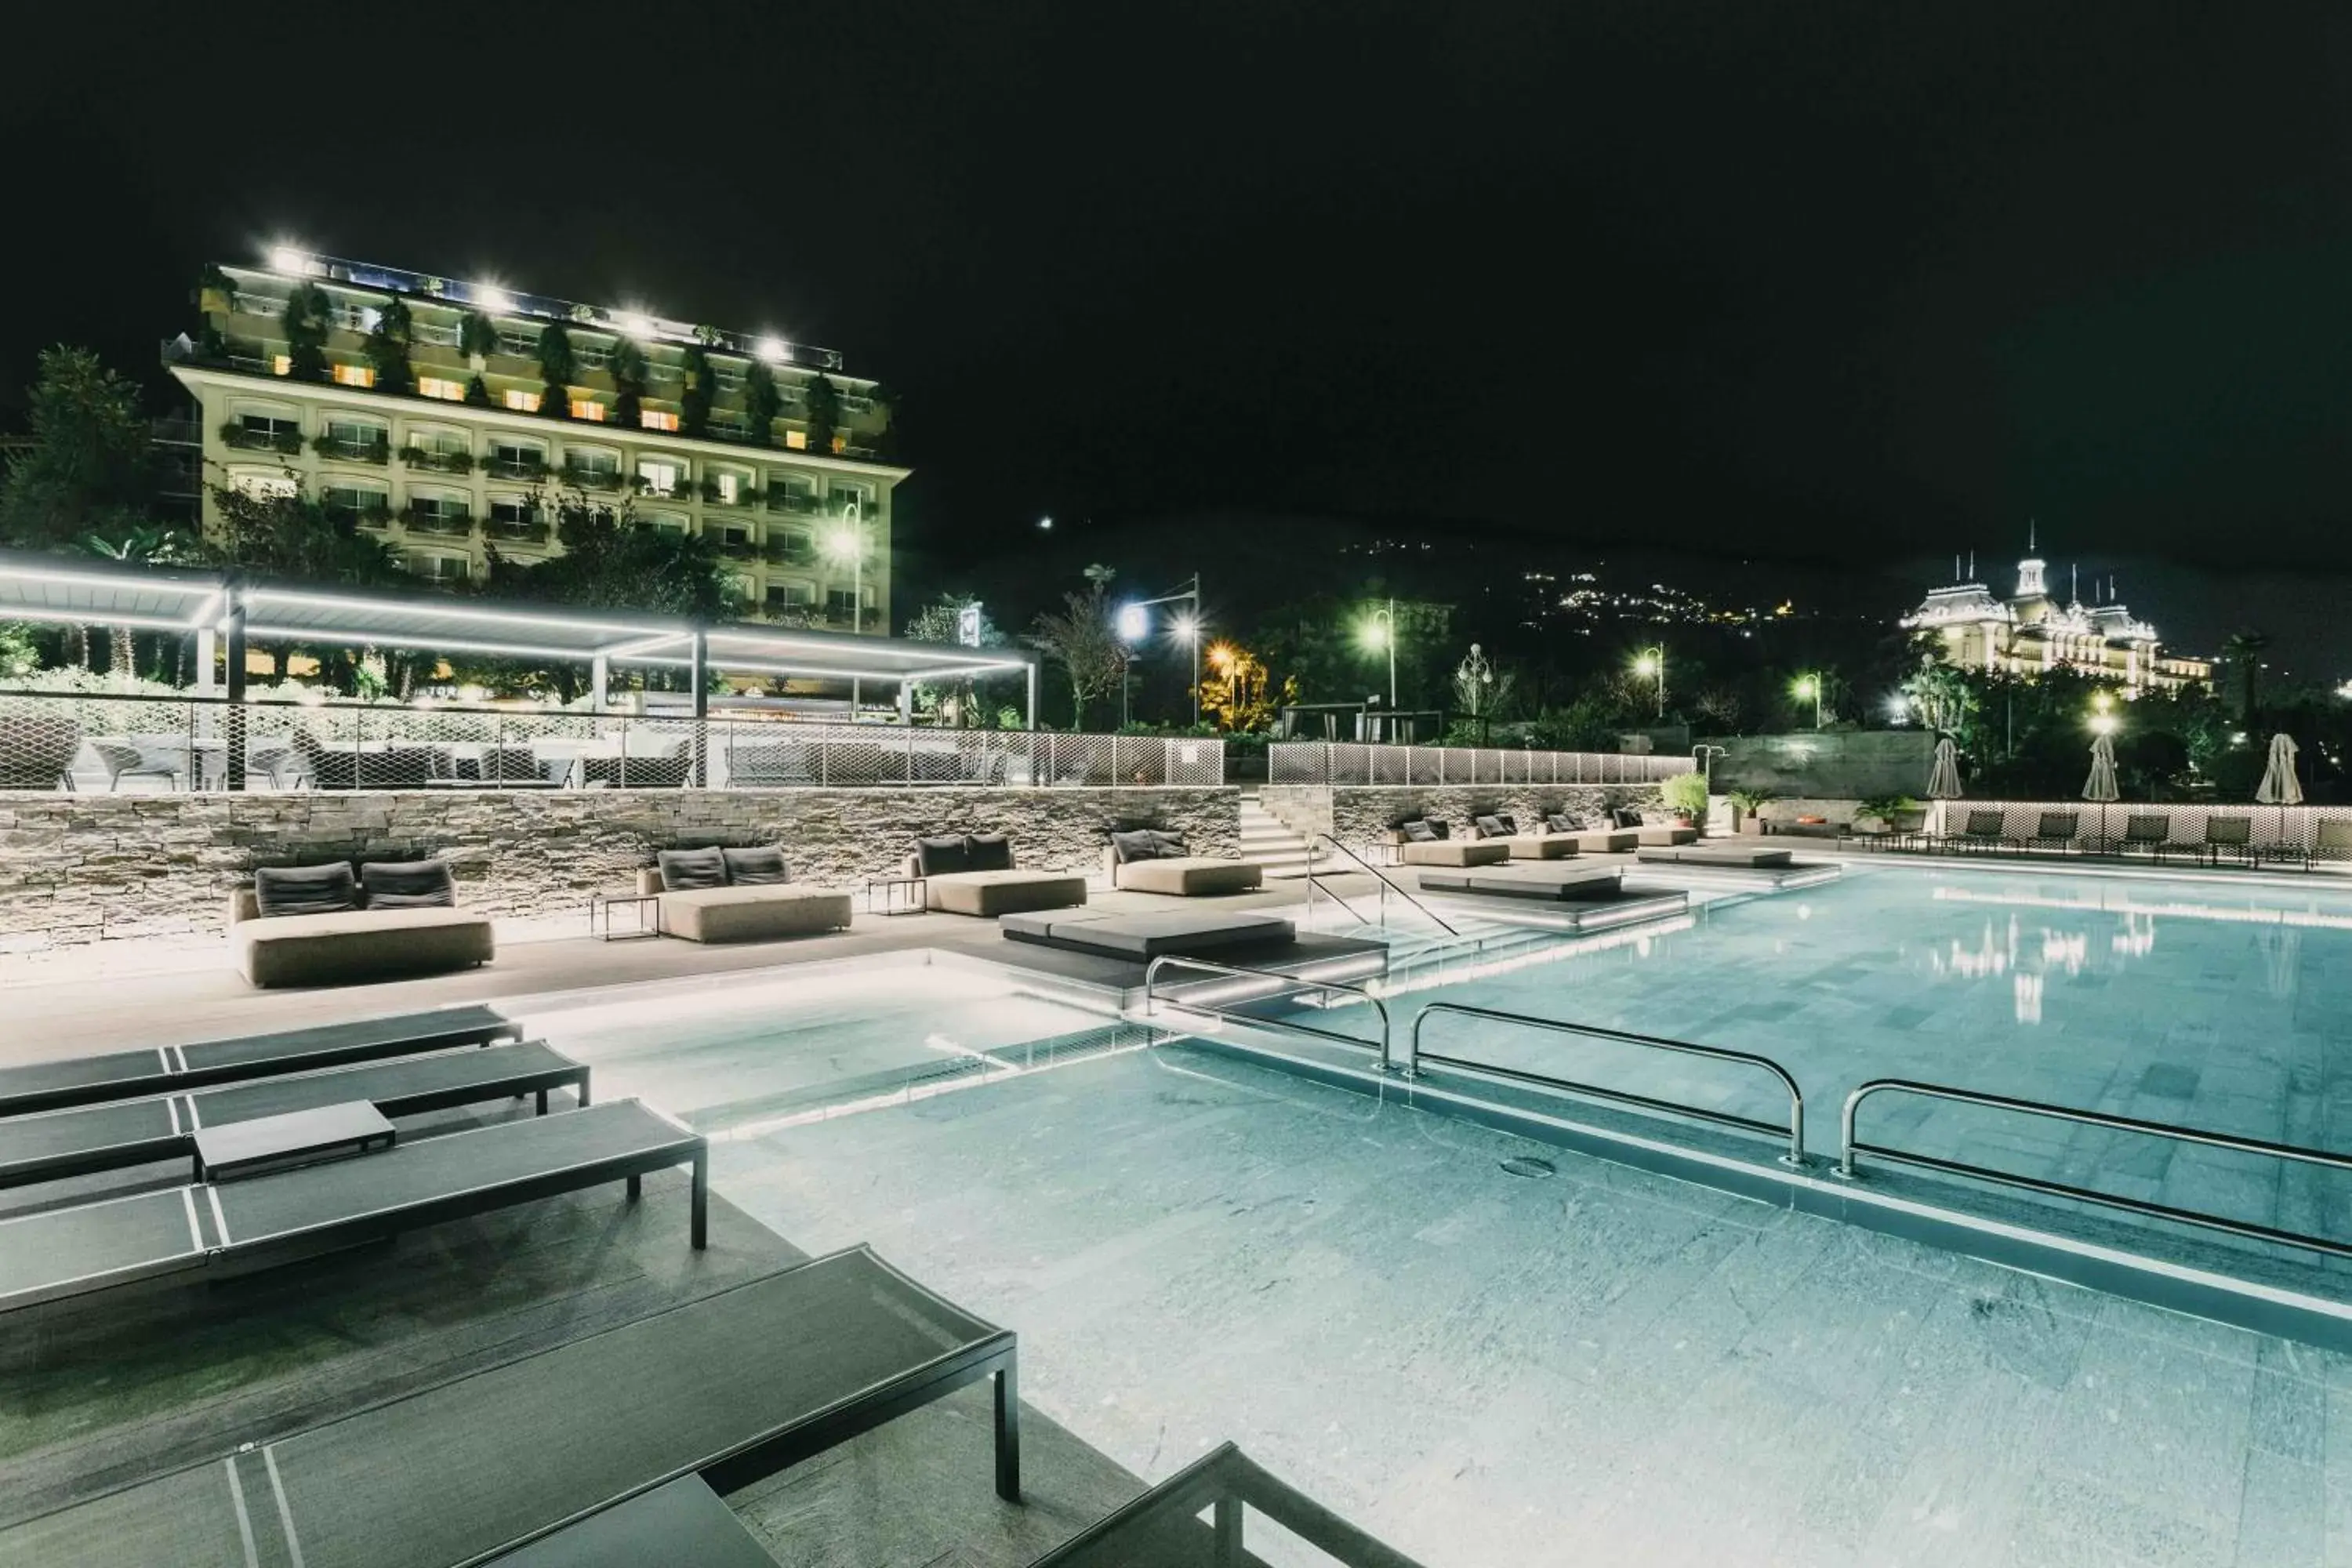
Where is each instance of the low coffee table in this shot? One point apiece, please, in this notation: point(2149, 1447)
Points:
point(902, 895)
point(274, 1142)
point(600, 916)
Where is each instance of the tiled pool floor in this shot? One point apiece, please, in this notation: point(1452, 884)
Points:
point(2197, 1003)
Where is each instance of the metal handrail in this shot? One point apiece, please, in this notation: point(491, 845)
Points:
point(1151, 1002)
point(1225, 1479)
point(1387, 883)
point(1851, 1146)
point(1794, 1132)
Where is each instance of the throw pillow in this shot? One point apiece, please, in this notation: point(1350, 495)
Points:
point(408, 885)
point(686, 871)
point(943, 855)
point(1625, 816)
point(759, 867)
point(1171, 846)
point(1558, 822)
point(1419, 831)
point(990, 852)
point(1140, 845)
point(1489, 826)
point(1439, 825)
point(305, 890)
point(1511, 824)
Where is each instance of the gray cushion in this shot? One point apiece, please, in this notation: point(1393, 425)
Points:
point(759, 867)
point(408, 885)
point(943, 855)
point(1490, 826)
point(305, 890)
point(1420, 832)
point(682, 870)
point(1172, 845)
point(1140, 845)
point(1511, 824)
point(990, 852)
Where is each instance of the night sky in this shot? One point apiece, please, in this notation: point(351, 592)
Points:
point(1866, 282)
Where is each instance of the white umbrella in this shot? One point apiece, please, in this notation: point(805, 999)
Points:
point(2101, 785)
point(2279, 787)
point(1943, 778)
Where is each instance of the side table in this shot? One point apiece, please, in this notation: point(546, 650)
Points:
point(600, 916)
point(899, 895)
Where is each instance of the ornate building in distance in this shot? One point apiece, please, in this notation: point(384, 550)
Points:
point(2030, 631)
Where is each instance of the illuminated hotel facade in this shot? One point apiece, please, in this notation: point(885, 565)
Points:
point(438, 428)
point(2032, 631)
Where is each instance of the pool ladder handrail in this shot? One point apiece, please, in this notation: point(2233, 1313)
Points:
point(1794, 1132)
point(1851, 1146)
point(1151, 1001)
point(1388, 885)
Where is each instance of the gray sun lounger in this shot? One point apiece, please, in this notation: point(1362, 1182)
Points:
point(163, 1069)
point(1146, 935)
point(731, 1388)
point(1727, 855)
point(1522, 880)
point(61, 1253)
point(124, 1133)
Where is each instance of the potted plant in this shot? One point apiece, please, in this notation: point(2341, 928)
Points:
point(1885, 809)
point(1685, 795)
point(1748, 809)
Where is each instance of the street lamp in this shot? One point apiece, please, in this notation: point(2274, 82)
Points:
point(846, 542)
point(1811, 686)
point(1379, 631)
point(1134, 624)
point(1650, 664)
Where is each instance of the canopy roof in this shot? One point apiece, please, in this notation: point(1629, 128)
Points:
point(47, 588)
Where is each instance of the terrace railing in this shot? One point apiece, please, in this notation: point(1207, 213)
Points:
point(100, 743)
point(1353, 763)
point(1163, 1526)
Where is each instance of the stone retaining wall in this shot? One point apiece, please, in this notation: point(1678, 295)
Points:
point(84, 868)
point(1359, 815)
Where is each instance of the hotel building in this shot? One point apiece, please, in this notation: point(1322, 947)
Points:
point(442, 416)
point(2030, 631)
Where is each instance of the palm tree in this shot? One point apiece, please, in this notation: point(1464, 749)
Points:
point(2243, 650)
point(143, 544)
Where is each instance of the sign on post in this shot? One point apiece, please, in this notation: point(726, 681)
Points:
point(968, 625)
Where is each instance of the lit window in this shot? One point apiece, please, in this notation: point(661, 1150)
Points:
point(279, 364)
point(522, 402)
point(588, 408)
point(266, 487)
point(438, 386)
point(354, 375)
point(661, 477)
point(654, 420)
point(731, 489)
point(796, 439)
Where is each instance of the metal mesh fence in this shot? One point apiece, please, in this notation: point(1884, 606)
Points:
point(97, 744)
point(1355, 762)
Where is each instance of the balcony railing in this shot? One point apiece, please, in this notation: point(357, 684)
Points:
point(449, 524)
point(738, 549)
point(782, 554)
point(592, 478)
point(798, 502)
point(250, 440)
point(531, 469)
point(345, 449)
point(439, 462)
point(509, 532)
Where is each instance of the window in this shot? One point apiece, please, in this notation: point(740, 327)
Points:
point(512, 512)
point(522, 402)
point(849, 500)
point(729, 488)
point(441, 568)
point(265, 486)
point(665, 520)
point(268, 427)
point(515, 459)
point(792, 492)
point(654, 420)
point(354, 375)
point(663, 475)
point(356, 503)
point(588, 408)
point(840, 601)
point(355, 318)
point(279, 364)
point(439, 441)
point(796, 439)
point(791, 596)
point(441, 387)
point(521, 345)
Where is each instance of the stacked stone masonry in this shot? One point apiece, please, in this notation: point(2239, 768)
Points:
point(1357, 815)
point(82, 869)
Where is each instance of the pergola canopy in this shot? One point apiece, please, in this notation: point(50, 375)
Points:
point(46, 588)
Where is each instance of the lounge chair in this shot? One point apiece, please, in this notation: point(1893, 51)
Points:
point(166, 1069)
point(1983, 830)
point(2228, 838)
point(118, 761)
point(739, 895)
point(976, 874)
point(2147, 832)
point(1148, 860)
point(306, 926)
point(133, 1132)
point(1549, 882)
point(1430, 841)
point(1497, 828)
point(576, 1455)
point(1896, 831)
point(58, 1254)
point(1591, 837)
point(2059, 829)
point(1138, 937)
point(2335, 841)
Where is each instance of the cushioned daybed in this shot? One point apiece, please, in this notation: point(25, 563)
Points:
point(1148, 860)
point(1427, 841)
point(1147, 935)
point(321, 925)
point(1528, 881)
point(1758, 860)
point(973, 874)
point(1499, 828)
point(739, 895)
point(1602, 839)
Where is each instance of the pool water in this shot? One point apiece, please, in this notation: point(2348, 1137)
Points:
point(2192, 1002)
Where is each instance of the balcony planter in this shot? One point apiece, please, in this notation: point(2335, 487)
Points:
point(352, 451)
point(446, 524)
point(442, 462)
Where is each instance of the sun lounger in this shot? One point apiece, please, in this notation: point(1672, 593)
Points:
point(2228, 838)
point(2335, 841)
point(1146, 936)
point(125, 1133)
point(2060, 830)
point(1736, 856)
point(2151, 833)
point(1601, 841)
point(1983, 830)
point(731, 1388)
point(129, 1075)
point(61, 1253)
point(1523, 881)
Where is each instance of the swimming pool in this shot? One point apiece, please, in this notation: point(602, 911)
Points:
point(2210, 1003)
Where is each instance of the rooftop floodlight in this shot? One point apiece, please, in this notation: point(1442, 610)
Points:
point(631, 324)
point(490, 296)
point(291, 260)
point(774, 350)
point(1134, 623)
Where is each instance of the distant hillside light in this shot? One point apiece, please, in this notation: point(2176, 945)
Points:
point(1045, 525)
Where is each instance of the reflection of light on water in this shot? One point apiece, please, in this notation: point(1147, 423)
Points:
point(2028, 989)
point(2137, 939)
point(2065, 950)
point(2125, 904)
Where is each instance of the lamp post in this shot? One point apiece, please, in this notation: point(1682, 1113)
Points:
point(1380, 632)
point(1134, 625)
point(1811, 686)
point(847, 542)
point(1650, 665)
